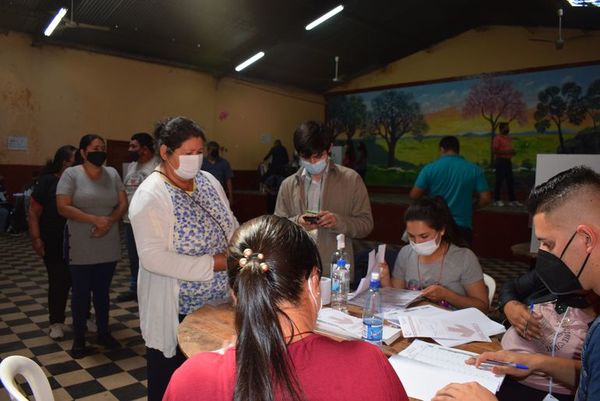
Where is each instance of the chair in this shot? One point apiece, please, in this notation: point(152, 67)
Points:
point(490, 283)
point(14, 365)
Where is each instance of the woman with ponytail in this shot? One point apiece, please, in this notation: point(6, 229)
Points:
point(46, 230)
point(274, 271)
point(436, 261)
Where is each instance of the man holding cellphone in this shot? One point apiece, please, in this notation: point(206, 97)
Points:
point(323, 197)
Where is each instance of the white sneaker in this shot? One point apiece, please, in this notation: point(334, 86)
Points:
point(499, 203)
point(91, 325)
point(56, 331)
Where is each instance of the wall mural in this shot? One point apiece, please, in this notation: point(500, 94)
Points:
point(549, 111)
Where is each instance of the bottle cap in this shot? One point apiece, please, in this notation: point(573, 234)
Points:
point(341, 241)
point(375, 281)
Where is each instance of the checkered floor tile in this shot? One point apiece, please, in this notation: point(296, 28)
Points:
point(109, 374)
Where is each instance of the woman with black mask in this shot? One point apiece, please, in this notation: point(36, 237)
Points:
point(92, 198)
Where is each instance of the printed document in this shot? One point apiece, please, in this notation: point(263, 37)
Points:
point(425, 368)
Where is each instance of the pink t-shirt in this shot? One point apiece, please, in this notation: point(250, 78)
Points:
point(327, 371)
point(502, 143)
point(568, 343)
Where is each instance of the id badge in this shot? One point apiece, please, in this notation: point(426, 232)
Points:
point(550, 397)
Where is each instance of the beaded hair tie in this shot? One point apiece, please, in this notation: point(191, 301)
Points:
point(251, 256)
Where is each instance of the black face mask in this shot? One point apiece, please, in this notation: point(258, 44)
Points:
point(133, 155)
point(96, 158)
point(555, 274)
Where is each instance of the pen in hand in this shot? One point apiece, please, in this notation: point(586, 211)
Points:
point(491, 363)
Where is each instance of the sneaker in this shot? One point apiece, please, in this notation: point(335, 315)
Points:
point(56, 331)
point(499, 203)
point(128, 296)
point(91, 325)
point(108, 341)
point(516, 204)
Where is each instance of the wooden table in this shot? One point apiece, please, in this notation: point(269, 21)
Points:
point(210, 326)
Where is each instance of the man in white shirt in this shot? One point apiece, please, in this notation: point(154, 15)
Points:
point(143, 162)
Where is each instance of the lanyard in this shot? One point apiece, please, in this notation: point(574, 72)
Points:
point(441, 269)
point(550, 382)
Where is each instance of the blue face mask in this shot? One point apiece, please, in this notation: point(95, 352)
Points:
point(314, 168)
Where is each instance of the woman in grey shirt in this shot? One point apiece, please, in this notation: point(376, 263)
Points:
point(92, 198)
point(435, 261)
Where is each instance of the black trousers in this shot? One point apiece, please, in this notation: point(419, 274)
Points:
point(94, 279)
point(59, 284)
point(160, 369)
point(504, 173)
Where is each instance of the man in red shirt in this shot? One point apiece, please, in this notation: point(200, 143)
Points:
point(503, 152)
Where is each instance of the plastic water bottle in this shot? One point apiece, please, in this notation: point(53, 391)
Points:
point(372, 316)
point(339, 253)
point(340, 285)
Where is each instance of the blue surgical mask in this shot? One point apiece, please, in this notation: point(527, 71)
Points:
point(314, 168)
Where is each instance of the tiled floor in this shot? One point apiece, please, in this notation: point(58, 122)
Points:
point(108, 375)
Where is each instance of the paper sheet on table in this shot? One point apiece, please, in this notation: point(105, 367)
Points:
point(363, 286)
point(391, 298)
point(468, 315)
point(335, 322)
point(380, 258)
point(425, 368)
point(414, 326)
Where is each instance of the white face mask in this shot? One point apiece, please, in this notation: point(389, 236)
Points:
point(425, 248)
point(318, 305)
point(188, 166)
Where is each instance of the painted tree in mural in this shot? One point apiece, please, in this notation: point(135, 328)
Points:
point(559, 105)
point(346, 115)
point(592, 102)
point(393, 114)
point(497, 101)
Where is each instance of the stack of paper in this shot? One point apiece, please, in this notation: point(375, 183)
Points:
point(392, 299)
point(425, 368)
point(449, 328)
point(346, 326)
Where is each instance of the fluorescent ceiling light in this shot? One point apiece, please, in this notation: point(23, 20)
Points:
point(584, 3)
point(324, 17)
point(55, 21)
point(251, 60)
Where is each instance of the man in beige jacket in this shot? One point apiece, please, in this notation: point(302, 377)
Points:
point(323, 197)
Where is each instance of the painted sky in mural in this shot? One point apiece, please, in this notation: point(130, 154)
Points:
point(441, 103)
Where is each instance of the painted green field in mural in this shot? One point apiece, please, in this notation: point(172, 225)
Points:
point(413, 154)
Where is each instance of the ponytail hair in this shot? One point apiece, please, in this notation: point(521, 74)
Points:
point(54, 166)
point(283, 258)
point(436, 214)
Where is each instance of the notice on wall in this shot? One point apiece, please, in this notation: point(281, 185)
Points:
point(17, 143)
point(266, 138)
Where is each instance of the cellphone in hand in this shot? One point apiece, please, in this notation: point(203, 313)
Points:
point(311, 219)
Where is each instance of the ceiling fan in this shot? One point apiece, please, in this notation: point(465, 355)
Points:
point(336, 78)
point(559, 42)
point(71, 23)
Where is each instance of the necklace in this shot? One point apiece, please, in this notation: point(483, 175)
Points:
point(299, 334)
point(439, 281)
